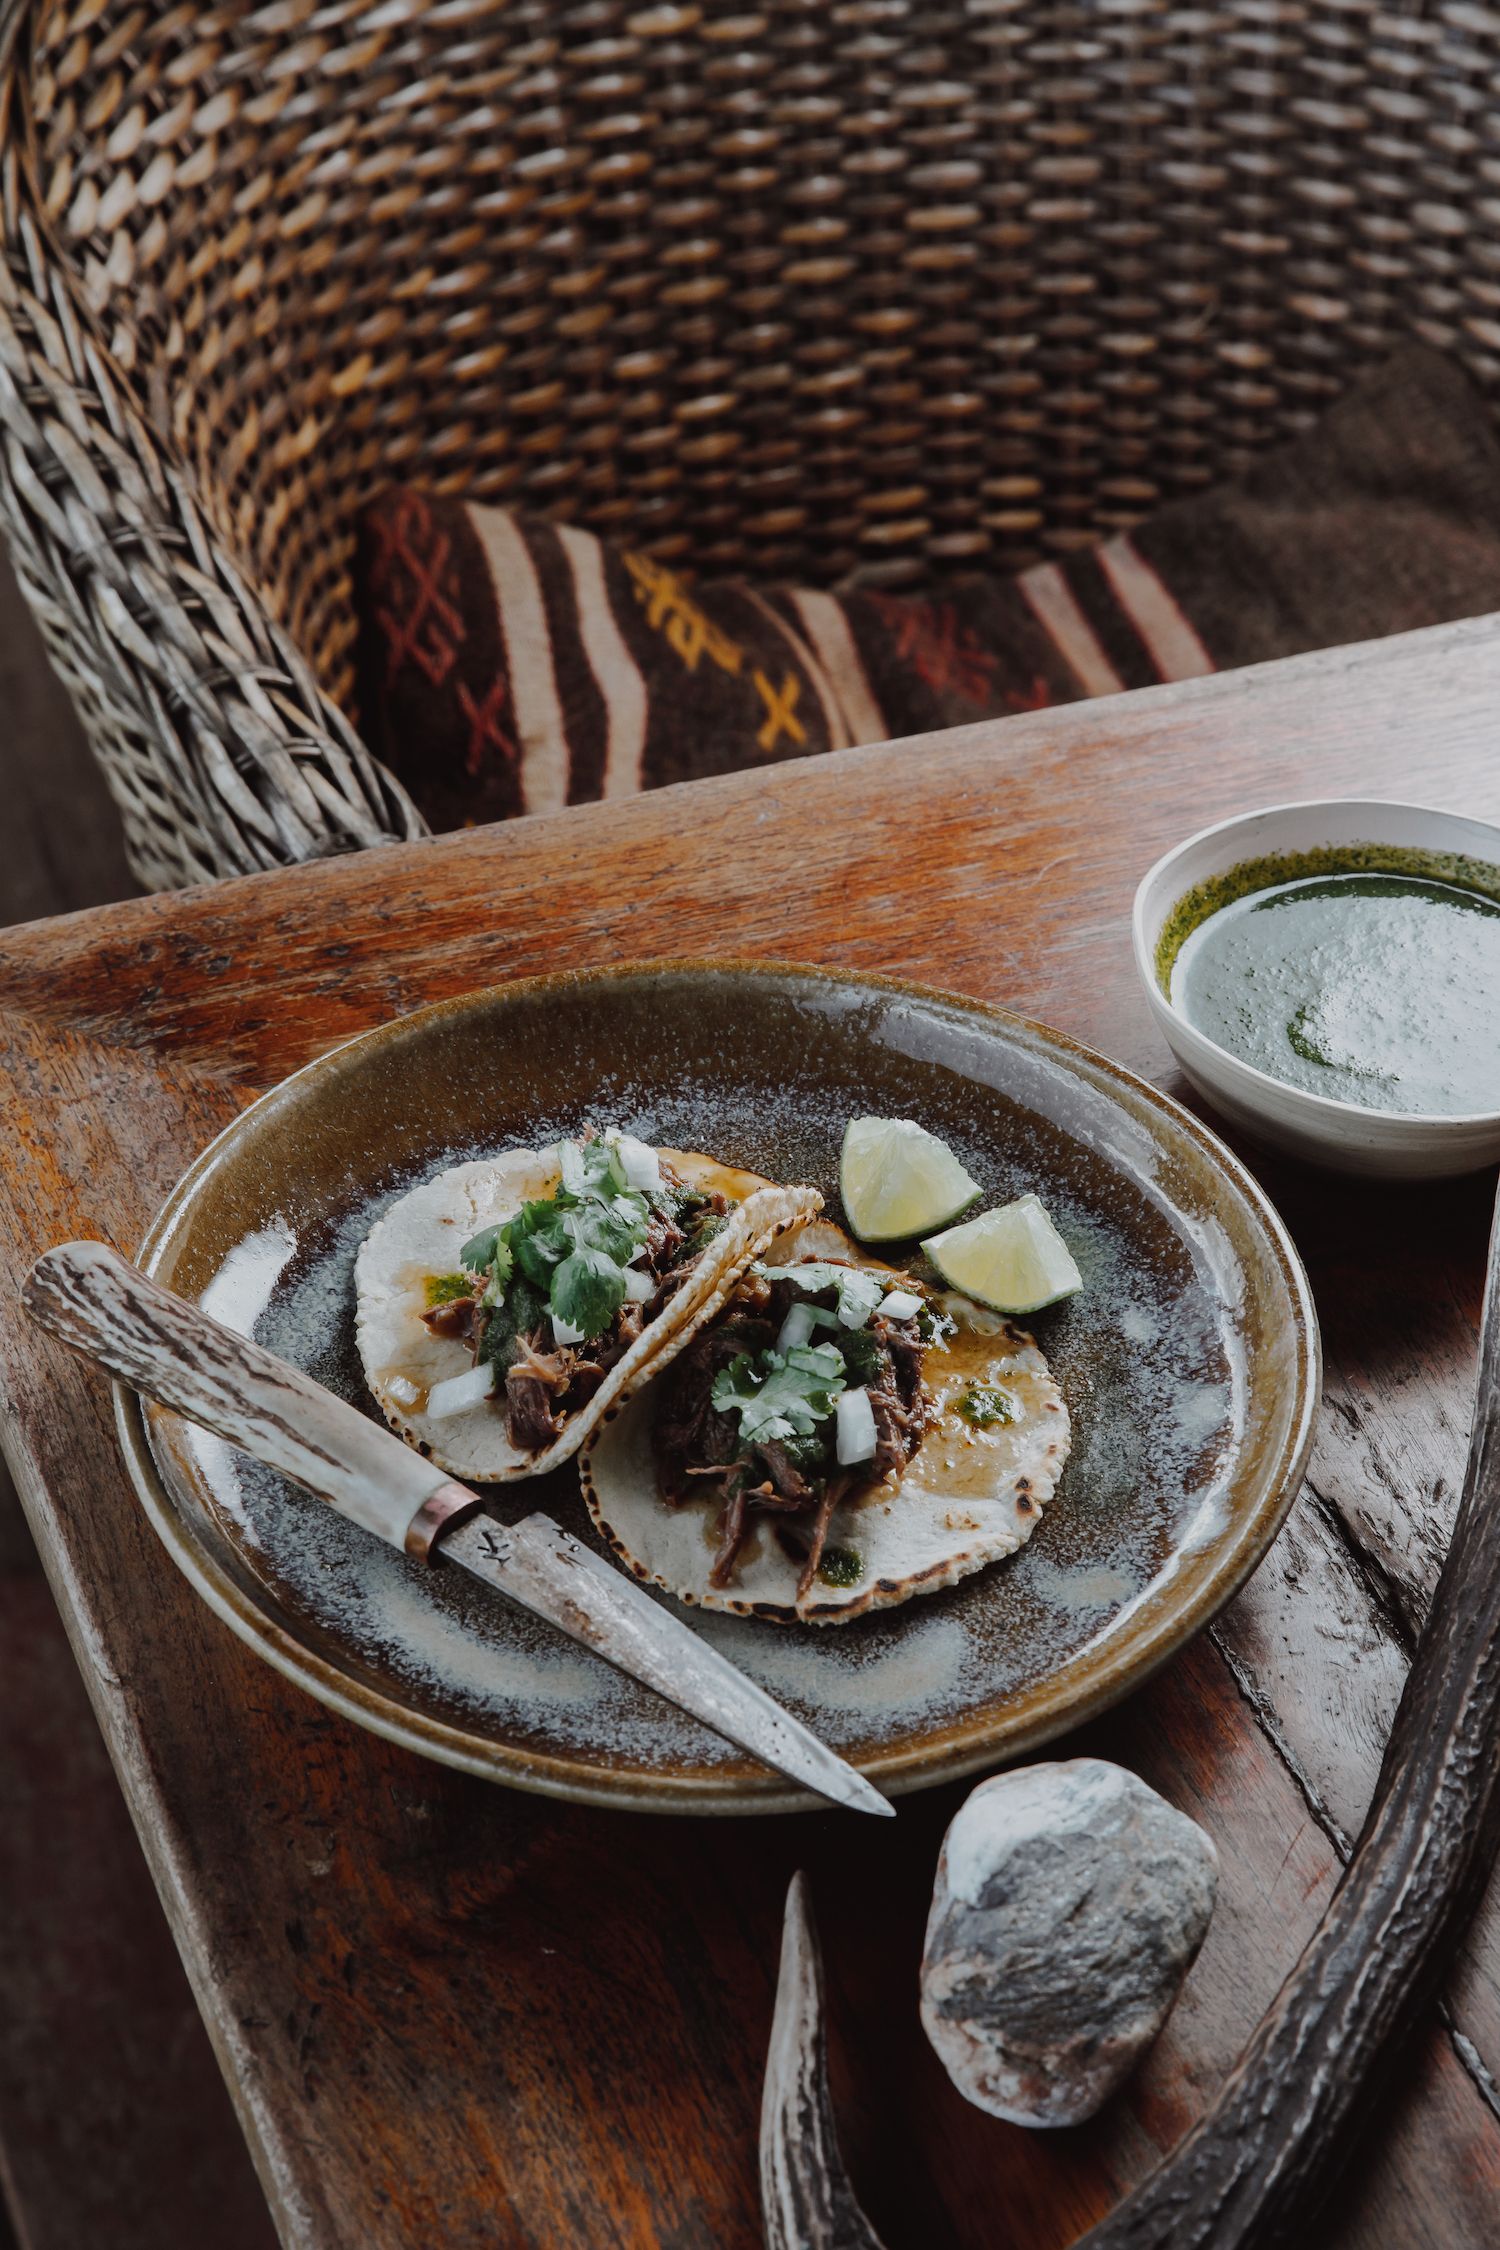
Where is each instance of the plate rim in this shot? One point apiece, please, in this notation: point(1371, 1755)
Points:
point(983, 1744)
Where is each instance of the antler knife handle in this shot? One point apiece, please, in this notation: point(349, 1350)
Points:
point(106, 1308)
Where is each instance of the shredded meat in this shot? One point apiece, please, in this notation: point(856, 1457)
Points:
point(530, 1420)
point(690, 1437)
point(731, 1539)
point(784, 1480)
point(664, 1238)
point(534, 1383)
point(897, 1398)
point(461, 1317)
point(833, 1493)
point(905, 1347)
point(550, 1367)
point(679, 1252)
point(693, 1441)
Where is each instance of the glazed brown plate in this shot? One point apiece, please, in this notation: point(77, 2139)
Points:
point(1189, 1362)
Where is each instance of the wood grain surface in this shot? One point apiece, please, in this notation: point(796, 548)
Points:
point(455, 2015)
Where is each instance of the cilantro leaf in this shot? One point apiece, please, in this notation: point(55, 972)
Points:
point(488, 1253)
point(502, 1265)
point(536, 1258)
point(859, 1294)
point(591, 1170)
point(588, 1289)
point(564, 1254)
point(778, 1396)
point(618, 1228)
point(479, 1250)
point(607, 1174)
point(859, 1291)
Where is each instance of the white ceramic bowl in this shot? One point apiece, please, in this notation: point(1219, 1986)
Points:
point(1388, 1144)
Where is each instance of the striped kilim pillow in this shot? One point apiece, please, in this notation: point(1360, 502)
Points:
point(512, 665)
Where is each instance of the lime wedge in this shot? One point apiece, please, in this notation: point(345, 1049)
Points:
point(897, 1179)
point(1012, 1259)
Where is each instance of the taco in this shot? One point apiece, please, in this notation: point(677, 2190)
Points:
point(503, 1306)
point(837, 1439)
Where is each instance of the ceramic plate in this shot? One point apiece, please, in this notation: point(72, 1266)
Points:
point(1189, 1361)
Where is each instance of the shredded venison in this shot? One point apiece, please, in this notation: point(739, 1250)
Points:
point(694, 1442)
point(460, 1317)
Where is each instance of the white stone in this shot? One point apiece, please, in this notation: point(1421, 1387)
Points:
point(1069, 1905)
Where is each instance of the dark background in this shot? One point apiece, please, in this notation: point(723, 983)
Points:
point(97, 2025)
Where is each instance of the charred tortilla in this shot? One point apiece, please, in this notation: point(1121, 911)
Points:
point(410, 1258)
point(992, 1444)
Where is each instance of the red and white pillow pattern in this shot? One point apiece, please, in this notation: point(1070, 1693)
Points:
point(511, 665)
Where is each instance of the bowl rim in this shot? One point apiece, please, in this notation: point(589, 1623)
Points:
point(978, 1746)
point(1385, 1122)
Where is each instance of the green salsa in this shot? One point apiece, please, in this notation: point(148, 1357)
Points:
point(982, 1406)
point(447, 1288)
point(841, 1566)
point(1381, 989)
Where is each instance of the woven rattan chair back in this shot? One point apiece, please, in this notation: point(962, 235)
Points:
point(800, 288)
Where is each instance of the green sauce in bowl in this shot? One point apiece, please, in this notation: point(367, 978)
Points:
point(1378, 987)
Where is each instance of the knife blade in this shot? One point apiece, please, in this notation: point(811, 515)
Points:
point(107, 1309)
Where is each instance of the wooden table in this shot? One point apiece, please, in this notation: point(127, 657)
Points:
point(452, 2016)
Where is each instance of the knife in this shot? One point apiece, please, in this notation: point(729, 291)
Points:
point(106, 1308)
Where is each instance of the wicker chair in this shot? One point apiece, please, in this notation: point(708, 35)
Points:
point(803, 288)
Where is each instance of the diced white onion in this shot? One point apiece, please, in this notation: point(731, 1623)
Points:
point(456, 1392)
point(856, 1428)
point(796, 1329)
point(639, 1287)
point(403, 1390)
point(901, 1304)
point(638, 1162)
point(563, 1332)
